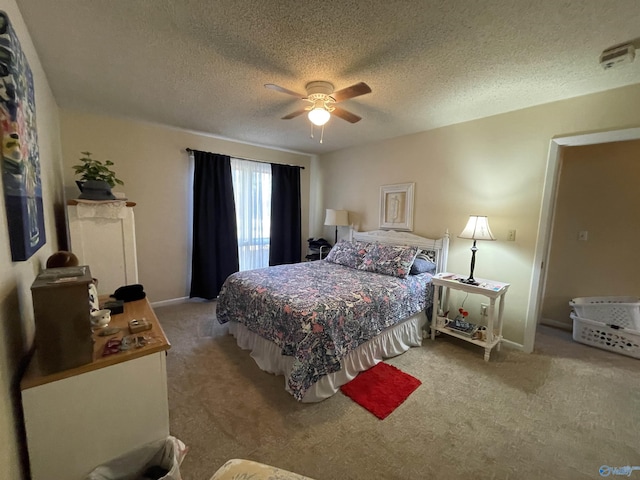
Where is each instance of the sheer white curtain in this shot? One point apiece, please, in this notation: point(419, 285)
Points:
point(252, 194)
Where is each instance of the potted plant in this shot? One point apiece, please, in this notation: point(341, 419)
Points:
point(96, 178)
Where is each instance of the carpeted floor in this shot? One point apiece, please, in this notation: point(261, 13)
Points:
point(559, 413)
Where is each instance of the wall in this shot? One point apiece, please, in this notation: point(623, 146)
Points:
point(157, 172)
point(597, 192)
point(16, 307)
point(493, 166)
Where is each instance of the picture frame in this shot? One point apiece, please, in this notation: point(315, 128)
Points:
point(19, 152)
point(396, 207)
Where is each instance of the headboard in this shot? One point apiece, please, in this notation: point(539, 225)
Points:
point(437, 250)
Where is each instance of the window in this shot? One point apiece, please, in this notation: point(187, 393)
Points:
point(252, 195)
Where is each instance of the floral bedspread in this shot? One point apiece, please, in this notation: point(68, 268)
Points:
point(318, 311)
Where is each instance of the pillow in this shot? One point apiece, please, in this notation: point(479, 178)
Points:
point(349, 254)
point(394, 260)
point(427, 255)
point(425, 262)
point(420, 265)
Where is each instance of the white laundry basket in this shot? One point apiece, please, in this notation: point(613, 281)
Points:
point(620, 311)
point(597, 334)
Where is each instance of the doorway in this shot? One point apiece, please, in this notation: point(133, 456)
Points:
point(549, 195)
point(594, 235)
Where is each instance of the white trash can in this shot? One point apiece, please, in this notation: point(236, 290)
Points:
point(155, 461)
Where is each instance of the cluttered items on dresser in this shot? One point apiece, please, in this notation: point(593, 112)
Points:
point(139, 325)
point(129, 293)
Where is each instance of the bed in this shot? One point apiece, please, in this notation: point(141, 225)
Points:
point(320, 323)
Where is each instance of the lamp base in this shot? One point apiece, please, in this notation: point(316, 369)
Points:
point(469, 281)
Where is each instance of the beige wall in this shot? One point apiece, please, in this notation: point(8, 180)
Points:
point(157, 172)
point(598, 193)
point(16, 307)
point(493, 166)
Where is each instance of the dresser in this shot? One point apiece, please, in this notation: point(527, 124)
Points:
point(80, 418)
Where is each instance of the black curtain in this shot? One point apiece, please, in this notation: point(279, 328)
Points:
point(215, 236)
point(286, 231)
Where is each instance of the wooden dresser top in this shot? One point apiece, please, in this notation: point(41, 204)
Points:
point(138, 309)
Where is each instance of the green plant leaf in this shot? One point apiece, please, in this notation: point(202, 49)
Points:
point(92, 169)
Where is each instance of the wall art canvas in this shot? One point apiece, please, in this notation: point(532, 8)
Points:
point(20, 157)
point(396, 206)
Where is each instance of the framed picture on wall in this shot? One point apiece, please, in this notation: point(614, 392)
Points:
point(396, 207)
point(20, 156)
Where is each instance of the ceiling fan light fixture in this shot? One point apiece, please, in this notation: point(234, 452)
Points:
point(319, 116)
point(321, 98)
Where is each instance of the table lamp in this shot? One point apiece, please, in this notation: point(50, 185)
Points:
point(337, 218)
point(477, 229)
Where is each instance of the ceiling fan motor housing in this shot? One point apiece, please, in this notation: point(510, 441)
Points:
point(319, 94)
point(324, 88)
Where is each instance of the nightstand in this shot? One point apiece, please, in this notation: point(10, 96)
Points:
point(491, 289)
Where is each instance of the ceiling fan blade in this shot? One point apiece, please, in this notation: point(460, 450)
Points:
point(350, 92)
point(280, 89)
point(346, 115)
point(294, 114)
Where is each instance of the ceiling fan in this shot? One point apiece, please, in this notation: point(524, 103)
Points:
point(322, 100)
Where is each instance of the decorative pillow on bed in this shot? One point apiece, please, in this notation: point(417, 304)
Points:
point(394, 260)
point(420, 265)
point(430, 255)
point(349, 254)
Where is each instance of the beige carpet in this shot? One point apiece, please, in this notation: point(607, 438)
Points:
point(559, 413)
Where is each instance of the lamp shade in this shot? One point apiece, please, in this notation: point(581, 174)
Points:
point(319, 116)
point(477, 229)
point(336, 217)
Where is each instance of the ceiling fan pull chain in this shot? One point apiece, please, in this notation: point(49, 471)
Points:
point(311, 131)
point(322, 134)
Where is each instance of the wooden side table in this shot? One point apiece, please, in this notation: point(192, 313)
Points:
point(492, 289)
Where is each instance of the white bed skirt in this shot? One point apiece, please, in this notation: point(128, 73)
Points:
point(393, 341)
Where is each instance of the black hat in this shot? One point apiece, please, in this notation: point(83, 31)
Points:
point(129, 293)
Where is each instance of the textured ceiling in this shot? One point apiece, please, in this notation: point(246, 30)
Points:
point(201, 65)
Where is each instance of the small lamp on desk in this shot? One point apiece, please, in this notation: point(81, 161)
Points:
point(339, 218)
point(477, 229)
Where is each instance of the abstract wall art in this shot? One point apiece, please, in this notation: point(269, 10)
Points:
point(20, 157)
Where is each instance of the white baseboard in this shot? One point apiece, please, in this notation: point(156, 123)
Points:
point(555, 323)
point(172, 301)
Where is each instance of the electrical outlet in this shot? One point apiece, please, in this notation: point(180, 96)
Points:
point(511, 236)
point(484, 309)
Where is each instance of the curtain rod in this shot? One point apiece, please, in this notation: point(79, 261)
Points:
point(190, 150)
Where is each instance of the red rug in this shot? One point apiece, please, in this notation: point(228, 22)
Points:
point(381, 389)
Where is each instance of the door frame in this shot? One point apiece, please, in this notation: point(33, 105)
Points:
point(549, 195)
